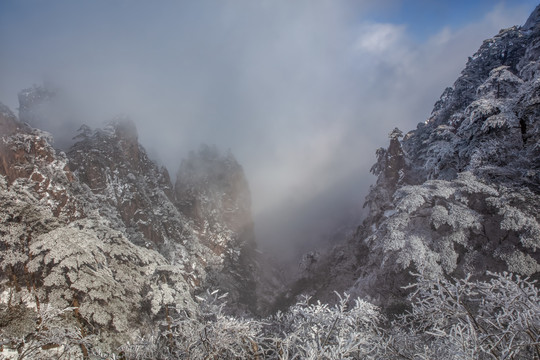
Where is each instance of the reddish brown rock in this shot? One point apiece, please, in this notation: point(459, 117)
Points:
point(113, 164)
point(25, 154)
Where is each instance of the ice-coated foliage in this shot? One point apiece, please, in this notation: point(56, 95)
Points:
point(438, 225)
point(484, 123)
point(76, 267)
point(21, 215)
point(85, 264)
point(348, 330)
point(516, 220)
point(447, 319)
point(51, 333)
point(464, 319)
point(206, 332)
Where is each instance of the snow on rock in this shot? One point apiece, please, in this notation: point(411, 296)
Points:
point(99, 231)
point(461, 193)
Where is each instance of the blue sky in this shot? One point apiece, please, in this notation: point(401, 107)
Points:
point(302, 92)
point(424, 17)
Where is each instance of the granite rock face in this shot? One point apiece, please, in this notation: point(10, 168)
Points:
point(116, 168)
point(203, 221)
point(27, 156)
point(212, 191)
point(102, 229)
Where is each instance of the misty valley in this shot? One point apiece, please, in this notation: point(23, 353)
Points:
point(107, 253)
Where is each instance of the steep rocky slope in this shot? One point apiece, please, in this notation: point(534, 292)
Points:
point(99, 229)
point(116, 169)
point(27, 157)
point(458, 195)
point(98, 248)
point(202, 224)
point(58, 251)
point(212, 191)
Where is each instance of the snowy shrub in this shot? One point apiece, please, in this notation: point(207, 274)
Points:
point(206, 333)
point(521, 263)
point(84, 264)
point(110, 280)
point(464, 319)
point(469, 184)
point(21, 217)
point(447, 319)
point(455, 227)
point(478, 111)
point(420, 233)
point(348, 330)
point(50, 333)
point(516, 220)
point(500, 121)
point(73, 265)
point(501, 83)
point(320, 331)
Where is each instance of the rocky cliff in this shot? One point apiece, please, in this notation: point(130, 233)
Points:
point(103, 230)
point(459, 195)
point(212, 191)
point(115, 167)
point(59, 251)
point(203, 223)
point(27, 157)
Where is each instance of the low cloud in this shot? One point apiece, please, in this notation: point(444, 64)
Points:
point(302, 92)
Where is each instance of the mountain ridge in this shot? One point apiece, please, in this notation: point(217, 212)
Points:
point(457, 195)
point(102, 241)
point(98, 228)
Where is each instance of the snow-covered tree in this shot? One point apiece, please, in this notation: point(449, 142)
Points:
point(464, 319)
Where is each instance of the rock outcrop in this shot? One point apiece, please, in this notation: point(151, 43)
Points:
point(103, 230)
point(26, 156)
point(211, 190)
point(117, 169)
point(203, 223)
point(60, 249)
